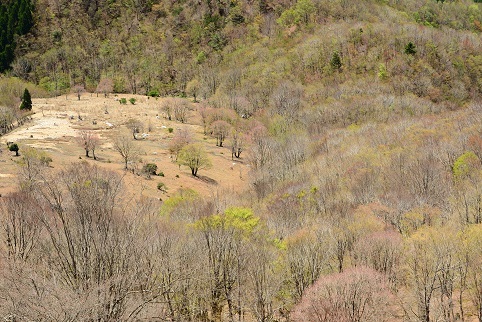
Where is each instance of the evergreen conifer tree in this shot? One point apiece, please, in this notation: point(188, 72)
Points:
point(26, 101)
point(335, 61)
point(410, 49)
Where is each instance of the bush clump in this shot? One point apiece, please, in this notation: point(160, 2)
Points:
point(153, 93)
point(14, 148)
point(149, 169)
point(161, 186)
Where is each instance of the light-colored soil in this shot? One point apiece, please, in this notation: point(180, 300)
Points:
point(57, 121)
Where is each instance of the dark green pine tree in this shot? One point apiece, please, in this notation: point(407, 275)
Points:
point(25, 19)
point(335, 61)
point(410, 49)
point(16, 18)
point(26, 101)
point(12, 19)
point(3, 36)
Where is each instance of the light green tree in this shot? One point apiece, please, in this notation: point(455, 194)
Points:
point(195, 157)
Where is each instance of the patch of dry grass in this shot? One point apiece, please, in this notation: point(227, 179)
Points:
point(58, 120)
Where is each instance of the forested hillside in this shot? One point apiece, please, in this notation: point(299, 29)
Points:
point(360, 121)
point(16, 20)
point(240, 53)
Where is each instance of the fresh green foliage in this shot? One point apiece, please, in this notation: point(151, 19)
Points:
point(123, 101)
point(195, 157)
point(465, 164)
point(132, 100)
point(240, 219)
point(180, 198)
point(299, 13)
point(382, 72)
point(153, 93)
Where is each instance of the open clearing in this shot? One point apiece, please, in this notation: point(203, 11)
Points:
point(57, 121)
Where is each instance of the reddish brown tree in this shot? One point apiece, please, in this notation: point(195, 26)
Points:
point(181, 138)
point(358, 294)
point(89, 141)
point(105, 86)
point(220, 130)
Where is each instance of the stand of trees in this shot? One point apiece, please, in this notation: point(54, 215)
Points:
point(375, 223)
point(16, 19)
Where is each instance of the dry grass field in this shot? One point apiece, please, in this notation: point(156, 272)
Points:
point(57, 121)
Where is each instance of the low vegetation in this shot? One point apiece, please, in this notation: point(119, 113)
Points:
point(358, 126)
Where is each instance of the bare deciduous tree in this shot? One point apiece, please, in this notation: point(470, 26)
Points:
point(89, 141)
point(238, 143)
point(78, 89)
point(127, 149)
point(20, 224)
point(91, 252)
point(32, 165)
point(105, 86)
point(358, 294)
point(180, 109)
point(287, 99)
point(135, 126)
point(181, 138)
point(220, 130)
point(166, 108)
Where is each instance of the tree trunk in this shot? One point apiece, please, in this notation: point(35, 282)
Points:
point(86, 153)
point(217, 311)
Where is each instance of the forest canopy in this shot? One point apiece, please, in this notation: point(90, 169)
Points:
point(360, 123)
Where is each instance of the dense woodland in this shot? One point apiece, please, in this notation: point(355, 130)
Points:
point(361, 122)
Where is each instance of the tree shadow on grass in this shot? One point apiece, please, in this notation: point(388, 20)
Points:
point(207, 180)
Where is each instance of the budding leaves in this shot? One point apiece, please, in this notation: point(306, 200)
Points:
point(237, 218)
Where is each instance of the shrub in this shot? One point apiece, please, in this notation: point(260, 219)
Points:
point(149, 169)
point(160, 174)
point(170, 130)
point(335, 61)
point(123, 101)
point(410, 49)
point(132, 100)
point(14, 148)
point(153, 93)
point(162, 186)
